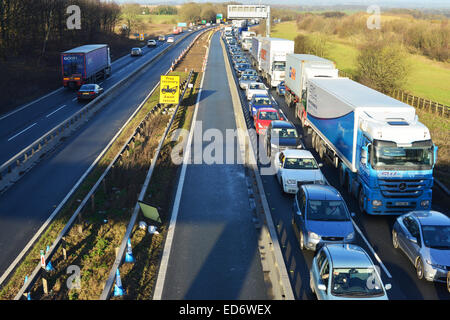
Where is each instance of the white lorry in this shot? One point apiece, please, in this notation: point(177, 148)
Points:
point(300, 68)
point(246, 39)
point(273, 59)
point(255, 52)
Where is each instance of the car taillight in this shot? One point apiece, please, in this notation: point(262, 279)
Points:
point(92, 92)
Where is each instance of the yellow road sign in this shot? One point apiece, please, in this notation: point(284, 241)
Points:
point(141, 36)
point(169, 89)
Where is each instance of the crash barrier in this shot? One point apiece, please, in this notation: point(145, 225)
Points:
point(41, 269)
point(13, 169)
point(126, 239)
point(271, 256)
point(415, 101)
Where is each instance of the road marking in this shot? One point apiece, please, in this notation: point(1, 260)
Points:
point(29, 104)
point(74, 99)
point(372, 250)
point(57, 110)
point(22, 131)
point(157, 295)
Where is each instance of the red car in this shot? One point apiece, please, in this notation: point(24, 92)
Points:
point(263, 118)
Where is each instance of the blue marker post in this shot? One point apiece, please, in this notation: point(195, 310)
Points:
point(129, 254)
point(118, 290)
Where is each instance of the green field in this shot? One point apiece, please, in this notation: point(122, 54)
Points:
point(161, 18)
point(428, 79)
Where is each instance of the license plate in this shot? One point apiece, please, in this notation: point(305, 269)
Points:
point(85, 93)
point(401, 203)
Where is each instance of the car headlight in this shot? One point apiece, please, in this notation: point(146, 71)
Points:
point(425, 203)
point(291, 181)
point(313, 236)
point(350, 236)
point(435, 265)
point(377, 203)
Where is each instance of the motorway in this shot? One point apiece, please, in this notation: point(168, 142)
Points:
point(214, 250)
point(26, 205)
point(373, 234)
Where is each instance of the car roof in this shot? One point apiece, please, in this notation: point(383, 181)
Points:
point(431, 217)
point(321, 192)
point(348, 256)
point(267, 109)
point(260, 95)
point(282, 124)
point(298, 153)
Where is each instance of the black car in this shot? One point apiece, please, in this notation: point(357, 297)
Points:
point(89, 92)
point(281, 135)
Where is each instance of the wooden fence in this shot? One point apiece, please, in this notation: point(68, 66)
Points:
point(417, 102)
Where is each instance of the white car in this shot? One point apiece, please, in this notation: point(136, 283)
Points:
point(255, 88)
point(151, 43)
point(244, 80)
point(135, 52)
point(295, 167)
point(170, 40)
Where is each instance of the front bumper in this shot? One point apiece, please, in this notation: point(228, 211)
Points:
point(435, 274)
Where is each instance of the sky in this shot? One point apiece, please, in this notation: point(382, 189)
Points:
point(387, 3)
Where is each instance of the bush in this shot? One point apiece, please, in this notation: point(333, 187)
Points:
point(382, 65)
point(315, 44)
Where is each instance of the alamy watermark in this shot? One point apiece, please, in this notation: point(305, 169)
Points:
point(74, 20)
point(374, 20)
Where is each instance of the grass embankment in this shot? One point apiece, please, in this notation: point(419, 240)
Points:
point(428, 78)
point(93, 249)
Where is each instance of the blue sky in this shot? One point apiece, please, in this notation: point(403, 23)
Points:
point(387, 3)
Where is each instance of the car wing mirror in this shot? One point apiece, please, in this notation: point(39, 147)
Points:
point(412, 239)
point(299, 212)
point(388, 286)
point(320, 165)
point(353, 214)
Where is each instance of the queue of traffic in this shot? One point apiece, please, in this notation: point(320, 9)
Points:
point(383, 154)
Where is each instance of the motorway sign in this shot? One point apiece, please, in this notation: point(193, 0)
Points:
point(203, 21)
point(182, 24)
point(169, 90)
point(141, 36)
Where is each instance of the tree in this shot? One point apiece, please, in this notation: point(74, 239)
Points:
point(130, 12)
point(382, 65)
point(315, 44)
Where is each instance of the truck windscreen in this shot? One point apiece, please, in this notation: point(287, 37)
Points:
point(73, 64)
point(279, 66)
point(386, 155)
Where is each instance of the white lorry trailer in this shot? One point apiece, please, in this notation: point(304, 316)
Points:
point(246, 39)
point(273, 59)
point(385, 156)
point(300, 68)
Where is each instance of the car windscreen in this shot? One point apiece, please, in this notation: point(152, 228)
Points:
point(87, 87)
point(436, 236)
point(300, 163)
point(356, 282)
point(262, 102)
point(268, 115)
point(257, 86)
point(284, 133)
point(327, 210)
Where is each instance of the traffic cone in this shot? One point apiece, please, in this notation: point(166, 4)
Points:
point(49, 266)
point(129, 255)
point(118, 290)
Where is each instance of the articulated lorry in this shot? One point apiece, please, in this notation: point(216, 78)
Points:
point(385, 156)
point(273, 59)
point(85, 64)
point(300, 68)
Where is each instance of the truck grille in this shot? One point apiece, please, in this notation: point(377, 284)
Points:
point(402, 188)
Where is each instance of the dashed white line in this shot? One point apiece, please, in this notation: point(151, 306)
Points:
point(56, 110)
point(21, 131)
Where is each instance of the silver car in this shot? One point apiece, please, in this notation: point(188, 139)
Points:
point(424, 236)
point(246, 79)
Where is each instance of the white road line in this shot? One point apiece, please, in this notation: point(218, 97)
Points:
point(74, 99)
point(22, 131)
point(56, 110)
point(371, 249)
point(29, 104)
point(157, 295)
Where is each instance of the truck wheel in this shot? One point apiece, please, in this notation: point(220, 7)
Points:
point(321, 151)
point(361, 200)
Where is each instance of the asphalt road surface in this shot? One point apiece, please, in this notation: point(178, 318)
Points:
point(214, 251)
point(25, 206)
point(373, 234)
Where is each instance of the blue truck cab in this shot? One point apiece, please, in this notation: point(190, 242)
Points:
point(385, 156)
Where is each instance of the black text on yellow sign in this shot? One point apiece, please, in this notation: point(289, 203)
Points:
point(169, 90)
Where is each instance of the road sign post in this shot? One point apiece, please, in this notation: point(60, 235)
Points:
point(169, 90)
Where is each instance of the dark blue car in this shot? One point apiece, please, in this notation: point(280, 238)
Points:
point(281, 135)
point(321, 216)
point(281, 89)
point(258, 101)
